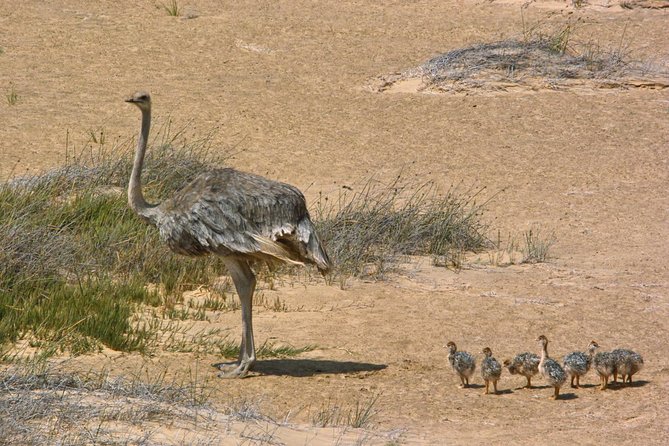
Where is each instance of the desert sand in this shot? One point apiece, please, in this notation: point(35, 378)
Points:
point(285, 87)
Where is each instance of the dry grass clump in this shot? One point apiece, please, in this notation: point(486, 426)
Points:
point(369, 231)
point(517, 61)
point(537, 59)
point(361, 414)
point(43, 405)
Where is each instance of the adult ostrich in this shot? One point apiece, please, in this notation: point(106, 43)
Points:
point(238, 216)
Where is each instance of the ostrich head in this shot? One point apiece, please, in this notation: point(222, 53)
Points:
point(452, 347)
point(141, 99)
point(542, 340)
point(593, 346)
point(487, 352)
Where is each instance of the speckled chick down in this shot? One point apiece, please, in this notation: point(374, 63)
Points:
point(627, 363)
point(463, 363)
point(526, 364)
point(550, 369)
point(605, 365)
point(491, 370)
point(577, 364)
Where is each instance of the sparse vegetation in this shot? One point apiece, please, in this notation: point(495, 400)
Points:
point(75, 262)
point(48, 405)
point(12, 96)
point(359, 415)
point(76, 266)
point(172, 8)
point(545, 56)
point(535, 248)
point(367, 232)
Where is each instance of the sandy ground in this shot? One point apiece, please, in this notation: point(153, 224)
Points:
point(285, 85)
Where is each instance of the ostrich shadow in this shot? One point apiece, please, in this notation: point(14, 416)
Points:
point(311, 367)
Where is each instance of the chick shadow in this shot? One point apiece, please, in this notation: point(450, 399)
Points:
point(615, 386)
point(504, 392)
point(311, 367)
point(562, 396)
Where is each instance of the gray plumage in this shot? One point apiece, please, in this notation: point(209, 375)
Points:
point(627, 363)
point(526, 364)
point(463, 363)
point(239, 216)
point(550, 369)
point(577, 364)
point(227, 212)
point(491, 370)
point(604, 364)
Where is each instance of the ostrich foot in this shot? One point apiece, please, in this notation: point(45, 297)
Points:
point(234, 369)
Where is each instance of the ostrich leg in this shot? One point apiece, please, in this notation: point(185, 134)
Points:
point(245, 283)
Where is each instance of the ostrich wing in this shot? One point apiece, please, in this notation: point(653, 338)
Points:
point(228, 212)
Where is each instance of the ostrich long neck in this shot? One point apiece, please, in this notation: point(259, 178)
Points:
point(544, 351)
point(135, 196)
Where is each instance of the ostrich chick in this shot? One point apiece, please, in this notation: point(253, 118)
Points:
point(550, 369)
point(577, 364)
point(526, 364)
point(627, 363)
point(491, 370)
point(462, 362)
point(605, 366)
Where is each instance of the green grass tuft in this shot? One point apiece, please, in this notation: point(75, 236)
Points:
point(172, 8)
point(75, 261)
point(12, 96)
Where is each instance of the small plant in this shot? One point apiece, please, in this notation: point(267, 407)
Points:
point(559, 41)
point(276, 305)
point(536, 247)
point(12, 96)
point(362, 413)
point(172, 8)
point(244, 409)
point(359, 415)
point(79, 271)
point(97, 136)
